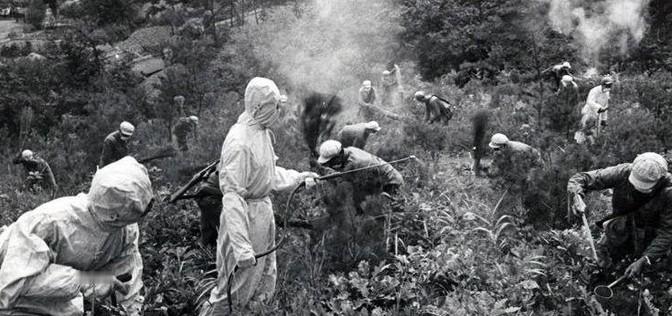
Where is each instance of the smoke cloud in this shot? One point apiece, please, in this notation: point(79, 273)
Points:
point(329, 45)
point(597, 24)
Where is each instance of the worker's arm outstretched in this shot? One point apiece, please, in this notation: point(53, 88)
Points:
point(600, 179)
point(287, 179)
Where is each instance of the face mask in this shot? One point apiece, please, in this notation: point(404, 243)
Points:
point(266, 115)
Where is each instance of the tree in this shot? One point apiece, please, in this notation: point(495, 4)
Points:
point(104, 12)
point(479, 38)
point(35, 13)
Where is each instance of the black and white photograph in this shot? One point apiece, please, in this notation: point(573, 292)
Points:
point(335, 157)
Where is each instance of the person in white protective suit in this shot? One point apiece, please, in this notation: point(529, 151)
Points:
point(247, 176)
point(598, 99)
point(73, 247)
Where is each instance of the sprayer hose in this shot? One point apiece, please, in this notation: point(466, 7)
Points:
point(283, 238)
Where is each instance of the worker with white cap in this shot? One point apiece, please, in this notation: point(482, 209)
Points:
point(565, 107)
point(356, 135)
point(186, 125)
point(367, 94)
point(247, 176)
point(115, 145)
point(392, 90)
point(383, 178)
point(436, 108)
point(640, 224)
point(558, 71)
point(598, 99)
point(513, 170)
point(37, 172)
point(513, 161)
point(367, 97)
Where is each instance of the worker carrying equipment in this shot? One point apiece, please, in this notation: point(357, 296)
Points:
point(209, 200)
point(641, 220)
point(247, 175)
point(436, 108)
point(383, 178)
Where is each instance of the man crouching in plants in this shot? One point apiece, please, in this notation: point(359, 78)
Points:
point(641, 221)
point(515, 166)
point(382, 179)
point(78, 247)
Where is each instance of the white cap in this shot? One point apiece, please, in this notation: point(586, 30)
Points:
point(366, 83)
point(126, 128)
point(373, 125)
point(566, 65)
point(27, 154)
point(498, 140)
point(647, 169)
point(608, 79)
point(194, 118)
point(178, 98)
point(419, 94)
point(567, 79)
point(386, 73)
point(329, 149)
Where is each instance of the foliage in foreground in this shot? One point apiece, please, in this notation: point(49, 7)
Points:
point(443, 252)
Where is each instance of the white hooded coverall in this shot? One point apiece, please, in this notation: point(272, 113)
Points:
point(44, 252)
point(598, 98)
point(247, 176)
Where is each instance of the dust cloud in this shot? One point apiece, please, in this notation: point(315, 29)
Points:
point(598, 24)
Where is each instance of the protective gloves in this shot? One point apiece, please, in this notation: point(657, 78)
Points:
point(247, 262)
point(100, 284)
point(309, 179)
point(310, 183)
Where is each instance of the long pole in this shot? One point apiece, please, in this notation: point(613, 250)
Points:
point(590, 236)
point(338, 174)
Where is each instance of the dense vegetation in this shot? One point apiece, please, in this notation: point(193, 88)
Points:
point(451, 250)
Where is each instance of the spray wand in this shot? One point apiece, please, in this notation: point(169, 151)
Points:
point(289, 213)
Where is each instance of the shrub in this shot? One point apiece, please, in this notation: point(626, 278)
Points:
point(35, 13)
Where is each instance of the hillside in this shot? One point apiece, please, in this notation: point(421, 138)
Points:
point(451, 242)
